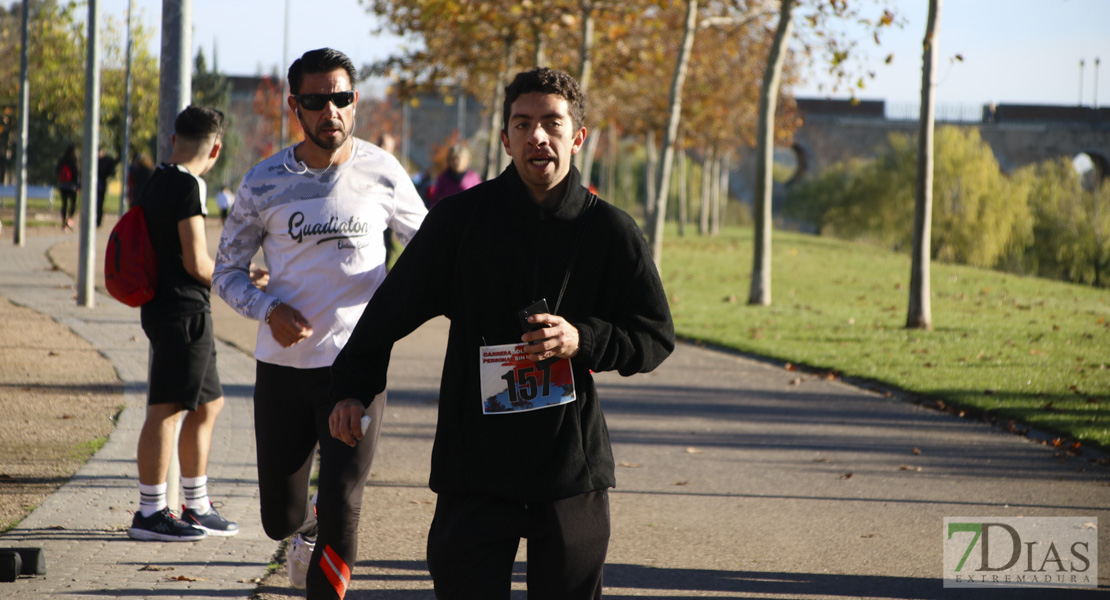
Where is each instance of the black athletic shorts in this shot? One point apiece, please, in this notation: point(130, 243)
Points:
point(183, 362)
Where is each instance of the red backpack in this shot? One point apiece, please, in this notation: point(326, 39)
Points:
point(65, 174)
point(130, 264)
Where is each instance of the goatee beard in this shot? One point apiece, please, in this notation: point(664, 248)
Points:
point(329, 144)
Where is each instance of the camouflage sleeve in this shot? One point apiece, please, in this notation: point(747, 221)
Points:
point(240, 240)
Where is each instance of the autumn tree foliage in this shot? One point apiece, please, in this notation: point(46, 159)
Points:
point(57, 75)
point(656, 70)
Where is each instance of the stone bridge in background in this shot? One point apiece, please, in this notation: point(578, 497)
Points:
point(1019, 134)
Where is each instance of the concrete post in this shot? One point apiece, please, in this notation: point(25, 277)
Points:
point(21, 155)
point(86, 279)
point(174, 91)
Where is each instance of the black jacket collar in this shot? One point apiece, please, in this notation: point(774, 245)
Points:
point(566, 208)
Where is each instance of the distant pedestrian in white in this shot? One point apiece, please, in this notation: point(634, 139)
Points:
point(224, 200)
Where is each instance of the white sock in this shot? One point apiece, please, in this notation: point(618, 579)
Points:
point(152, 498)
point(196, 494)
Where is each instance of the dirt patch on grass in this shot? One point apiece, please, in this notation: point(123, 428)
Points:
point(58, 400)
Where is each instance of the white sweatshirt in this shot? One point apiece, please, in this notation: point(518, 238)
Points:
point(321, 234)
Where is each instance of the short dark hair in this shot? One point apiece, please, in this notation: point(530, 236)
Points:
point(323, 60)
point(199, 122)
point(547, 81)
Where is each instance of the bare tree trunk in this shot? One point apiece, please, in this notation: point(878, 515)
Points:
point(585, 53)
point(919, 315)
point(768, 99)
point(611, 163)
point(715, 195)
point(584, 160)
point(671, 133)
point(725, 165)
point(706, 181)
point(649, 176)
point(683, 195)
point(493, 149)
point(540, 45)
point(586, 157)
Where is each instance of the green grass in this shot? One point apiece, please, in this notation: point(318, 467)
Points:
point(1029, 350)
point(37, 206)
point(86, 450)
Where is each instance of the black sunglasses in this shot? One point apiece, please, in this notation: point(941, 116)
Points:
point(319, 101)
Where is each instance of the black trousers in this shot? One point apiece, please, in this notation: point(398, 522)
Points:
point(291, 410)
point(473, 542)
point(69, 203)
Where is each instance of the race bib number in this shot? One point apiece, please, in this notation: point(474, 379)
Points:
point(512, 383)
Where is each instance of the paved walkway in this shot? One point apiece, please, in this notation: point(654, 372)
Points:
point(82, 527)
point(736, 480)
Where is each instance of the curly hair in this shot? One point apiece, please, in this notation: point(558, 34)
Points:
point(547, 81)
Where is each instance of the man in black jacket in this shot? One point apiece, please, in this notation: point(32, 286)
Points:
point(521, 446)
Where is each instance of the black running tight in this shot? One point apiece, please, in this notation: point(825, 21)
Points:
point(291, 410)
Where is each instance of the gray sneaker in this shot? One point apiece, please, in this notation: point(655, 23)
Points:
point(298, 559)
point(210, 522)
point(163, 526)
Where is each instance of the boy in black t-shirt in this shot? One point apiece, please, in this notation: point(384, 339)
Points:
point(178, 323)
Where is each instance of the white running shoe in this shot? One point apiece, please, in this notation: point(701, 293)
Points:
point(298, 559)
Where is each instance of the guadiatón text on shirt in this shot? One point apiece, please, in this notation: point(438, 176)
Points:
point(333, 228)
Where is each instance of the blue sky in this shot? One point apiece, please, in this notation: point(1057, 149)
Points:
point(1015, 51)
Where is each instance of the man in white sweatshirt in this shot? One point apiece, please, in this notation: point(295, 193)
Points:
point(318, 210)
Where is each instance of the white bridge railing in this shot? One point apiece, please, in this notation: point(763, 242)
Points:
point(945, 113)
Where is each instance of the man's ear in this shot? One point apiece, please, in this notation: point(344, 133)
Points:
point(579, 139)
point(216, 147)
point(505, 142)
